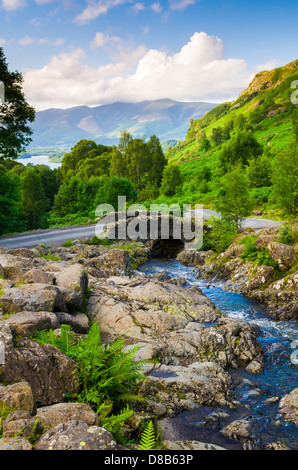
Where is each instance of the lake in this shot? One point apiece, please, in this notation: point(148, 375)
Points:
point(39, 160)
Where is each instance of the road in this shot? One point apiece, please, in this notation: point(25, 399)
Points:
point(56, 237)
point(256, 224)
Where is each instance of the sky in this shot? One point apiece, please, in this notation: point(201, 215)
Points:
point(94, 52)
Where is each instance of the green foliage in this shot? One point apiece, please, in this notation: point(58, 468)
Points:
point(107, 374)
point(172, 179)
point(287, 235)
point(10, 203)
point(233, 197)
point(49, 256)
point(252, 253)
point(242, 148)
point(260, 196)
point(221, 235)
point(285, 180)
point(5, 411)
point(34, 201)
point(68, 244)
point(113, 187)
point(15, 113)
point(148, 439)
point(97, 241)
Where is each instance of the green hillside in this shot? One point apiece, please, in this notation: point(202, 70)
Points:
point(264, 110)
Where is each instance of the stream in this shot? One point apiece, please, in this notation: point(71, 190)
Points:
point(252, 391)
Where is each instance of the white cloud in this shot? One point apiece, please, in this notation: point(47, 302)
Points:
point(95, 9)
point(198, 72)
point(101, 39)
point(137, 7)
point(11, 5)
point(26, 41)
point(156, 7)
point(2, 42)
point(181, 4)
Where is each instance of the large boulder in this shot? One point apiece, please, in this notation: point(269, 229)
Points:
point(79, 322)
point(37, 276)
point(141, 307)
point(76, 435)
point(25, 324)
point(21, 423)
point(183, 322)
point(18, 396)
point(193, 258)
point(284, 255)
point(115, 262)
point(50, 416)
point(180, 388)
point(33, 297)
point(14, 267)
point(48, 371)
point(74, 278)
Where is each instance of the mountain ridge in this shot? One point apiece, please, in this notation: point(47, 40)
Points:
point(168, 119)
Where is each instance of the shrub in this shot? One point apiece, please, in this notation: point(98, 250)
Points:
point(221, 235)
point(287, 235)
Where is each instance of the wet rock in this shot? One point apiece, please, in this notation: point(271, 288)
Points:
point(194, 258)
point(189, 446)
point(288, 407)
point(185, 388)
point(76, 435)
point(239, 430)
point(277, 446)
point(256, 366)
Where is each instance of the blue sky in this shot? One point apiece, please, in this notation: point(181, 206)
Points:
point(74, 52)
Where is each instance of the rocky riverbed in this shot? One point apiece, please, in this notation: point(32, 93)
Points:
point(193, 349)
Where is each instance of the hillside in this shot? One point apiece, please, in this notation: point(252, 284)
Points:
point(265, 105)
point(63, 128)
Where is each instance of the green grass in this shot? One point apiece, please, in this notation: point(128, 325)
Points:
point(50, 257)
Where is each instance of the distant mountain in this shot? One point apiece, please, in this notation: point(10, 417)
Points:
point(61, 128)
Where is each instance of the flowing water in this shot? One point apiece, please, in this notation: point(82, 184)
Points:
point(252, 391)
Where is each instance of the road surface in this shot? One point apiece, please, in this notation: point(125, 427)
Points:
point(56, 237)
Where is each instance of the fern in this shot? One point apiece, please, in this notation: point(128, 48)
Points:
point(148, 440)
point(107, 374)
